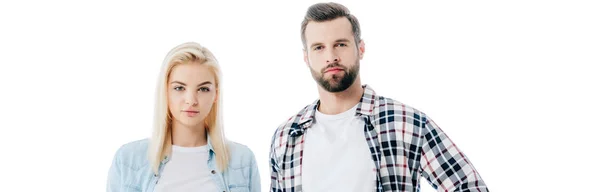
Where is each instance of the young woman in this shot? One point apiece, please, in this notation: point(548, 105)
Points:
point(187, 150)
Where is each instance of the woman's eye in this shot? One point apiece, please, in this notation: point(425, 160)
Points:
point(178, 88)
point(204, 89)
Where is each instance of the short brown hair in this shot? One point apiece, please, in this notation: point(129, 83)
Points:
point(326, 12)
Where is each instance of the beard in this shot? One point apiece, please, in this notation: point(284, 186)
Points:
point(337, 82)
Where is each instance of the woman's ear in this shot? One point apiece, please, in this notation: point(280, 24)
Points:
point(216, 96)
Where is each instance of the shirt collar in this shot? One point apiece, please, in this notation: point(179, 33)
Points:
point(366, 106)
point(211, 151)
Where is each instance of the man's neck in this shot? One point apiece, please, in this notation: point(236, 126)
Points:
point(335, 103)
point(188, 136)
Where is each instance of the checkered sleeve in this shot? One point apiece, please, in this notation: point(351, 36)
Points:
point(444, 166)
point(274, 166)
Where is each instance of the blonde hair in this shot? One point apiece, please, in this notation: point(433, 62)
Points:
point(160, 143)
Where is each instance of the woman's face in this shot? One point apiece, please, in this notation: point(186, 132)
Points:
point(191, 92)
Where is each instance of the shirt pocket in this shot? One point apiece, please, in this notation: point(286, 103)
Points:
point(238, 179)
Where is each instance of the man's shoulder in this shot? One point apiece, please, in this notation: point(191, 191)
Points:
point(281, 134)
point(383, 103)
point(293, 120)
point(388, 110)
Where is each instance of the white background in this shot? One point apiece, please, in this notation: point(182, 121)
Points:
point(513, 83)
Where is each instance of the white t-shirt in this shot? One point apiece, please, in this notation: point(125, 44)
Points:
point(336, 155)
point(186, 171)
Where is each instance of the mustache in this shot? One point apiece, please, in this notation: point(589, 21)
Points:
point(336, 64)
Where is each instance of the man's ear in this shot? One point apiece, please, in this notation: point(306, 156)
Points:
point(305, 57)
point(361, 49)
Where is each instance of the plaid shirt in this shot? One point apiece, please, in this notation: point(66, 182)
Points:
point(405, 144)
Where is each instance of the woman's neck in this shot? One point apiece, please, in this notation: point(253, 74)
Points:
point(186, 136)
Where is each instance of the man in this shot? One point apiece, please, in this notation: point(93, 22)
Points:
point(351, 139)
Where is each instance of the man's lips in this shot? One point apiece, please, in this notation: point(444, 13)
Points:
point(333, 69)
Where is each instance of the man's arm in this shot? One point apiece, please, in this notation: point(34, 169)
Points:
point(274, 166)
point(444, 165)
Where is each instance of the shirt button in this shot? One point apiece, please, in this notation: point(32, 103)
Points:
point(213, 171)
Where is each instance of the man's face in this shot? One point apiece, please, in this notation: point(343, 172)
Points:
point(332, 54)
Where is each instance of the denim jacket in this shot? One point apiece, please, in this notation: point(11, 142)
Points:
point(131, 170)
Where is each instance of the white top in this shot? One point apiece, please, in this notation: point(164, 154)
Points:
point(336, 155)
point(186, 171)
